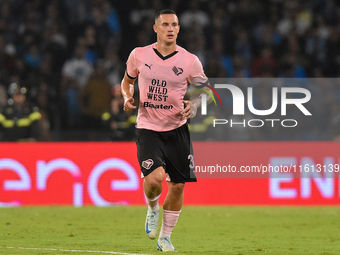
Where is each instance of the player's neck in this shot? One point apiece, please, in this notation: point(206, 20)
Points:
point(165, 49)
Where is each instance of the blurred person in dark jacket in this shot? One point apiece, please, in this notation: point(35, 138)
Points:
point(120, 124)
point(95, 98)
point(19, 119)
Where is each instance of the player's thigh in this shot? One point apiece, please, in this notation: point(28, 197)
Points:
point(179, 157)
point(149, 151)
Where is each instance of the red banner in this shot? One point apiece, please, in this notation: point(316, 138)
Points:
point(230, 173)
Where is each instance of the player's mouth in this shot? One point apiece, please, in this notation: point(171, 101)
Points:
point(170, 36)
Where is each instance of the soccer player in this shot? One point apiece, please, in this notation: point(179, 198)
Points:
point(163, 141)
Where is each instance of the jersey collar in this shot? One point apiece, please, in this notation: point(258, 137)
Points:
point(164, 57)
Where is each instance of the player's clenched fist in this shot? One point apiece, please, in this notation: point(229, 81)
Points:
point(128, 104)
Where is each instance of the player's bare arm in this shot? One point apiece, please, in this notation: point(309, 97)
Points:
point(190, 107)
point(127, 86)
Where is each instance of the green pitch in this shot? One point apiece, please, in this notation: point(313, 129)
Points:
point(200, 230)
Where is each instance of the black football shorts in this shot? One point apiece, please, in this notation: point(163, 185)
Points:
point(171, 150)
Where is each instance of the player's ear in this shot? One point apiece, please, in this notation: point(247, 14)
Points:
point(155, 28)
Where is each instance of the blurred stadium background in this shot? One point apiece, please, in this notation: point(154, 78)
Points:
point(70, 56)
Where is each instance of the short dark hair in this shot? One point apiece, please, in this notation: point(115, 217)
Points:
point(165, 11)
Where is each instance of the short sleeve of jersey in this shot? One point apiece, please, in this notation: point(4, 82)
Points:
point(131, 65)
point(197, 75)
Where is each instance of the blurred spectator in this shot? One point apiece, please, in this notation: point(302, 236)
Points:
point(242, 45)
point(246, 13)
point(315, 47)
point(56, 43)
point(76, 72)
point(77, 10)
point(297, 18)
point(95, 98)
point(53, 46)
point(114, 68)
point(224, 62)
point(19, 120)
point(330, 12)
point(239, 69)
point(99, 21)
point(3, 98)
point(142, 10)
point(194, 15)
point(291, 67)
point(214, 67)
point(333, 52)
point(196, 44)
point(51, 78)
point(120, 124)
point(265, 65)
point(112, 18)
point(335, 127)
point(7, 21)
point(7, 56)
point(266, 36)
point(93, 47)
point(43, 95)
point(32, 57)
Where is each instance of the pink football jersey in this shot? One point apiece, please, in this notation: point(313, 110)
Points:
point(163, 82)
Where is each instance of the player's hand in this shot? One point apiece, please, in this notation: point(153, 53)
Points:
point(128, 104)
point(190, 110)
